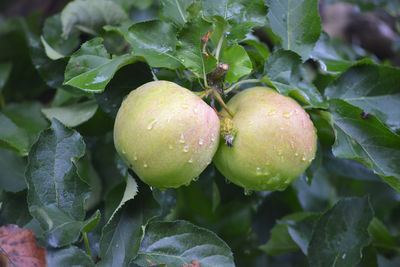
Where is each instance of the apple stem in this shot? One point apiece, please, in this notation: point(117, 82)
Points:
point(221, 101)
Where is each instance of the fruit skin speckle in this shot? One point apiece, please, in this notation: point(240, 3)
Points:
point(263, 156)
point(166, 132)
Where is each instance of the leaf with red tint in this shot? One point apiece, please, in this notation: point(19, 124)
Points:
point(19, 248)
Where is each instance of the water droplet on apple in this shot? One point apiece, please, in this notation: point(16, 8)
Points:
point(182, 139)
point(151, 124)
point(145, 165)
point(190, 160)
point(135, 157)
point(186, 148)
point(212, 138)
point(287, 115)
point(195, 179)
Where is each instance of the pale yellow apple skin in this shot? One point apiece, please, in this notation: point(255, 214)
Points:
point(275, 141)
point(166, 133)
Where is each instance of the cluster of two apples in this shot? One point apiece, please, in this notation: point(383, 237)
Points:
point(169, 135)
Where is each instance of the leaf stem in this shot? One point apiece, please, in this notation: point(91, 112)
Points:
point(218, 50)
point(88, 251)
point(240, 83)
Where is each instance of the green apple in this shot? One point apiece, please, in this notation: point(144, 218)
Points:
point(275, 141)
point(166, 133)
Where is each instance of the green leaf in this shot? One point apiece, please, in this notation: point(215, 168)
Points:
point(341, 234)
point(56, 194)
point(330, 59)
point(366, 140)
point(72, 115)
point(243, 11)
point(175, 11)
point(166, 199)
point(297, 23)
point(301, 231)
point(51, 71)
point(89, 175)
point(12, 169)
point(92, 222)
point(317, 195)
point(111, 99)
point(91, 68)
point(180, 242)
point(130, 192)
point(55, 46)
point(291, 233)
point(280, 241)
point(238, 61)
point(90, 15)
point(234, 19)
point(14, 209)
point(380, 234)
point(155, 41)
point(244, 15)
point(71, 256)
point(373, 88)
point(5, 70)
point(190, 50)
point(105, 158)
point(24, 83)
point(122, 235)
point(21, 125)
point(261, 47)
point(215, 8)
point(285, 72)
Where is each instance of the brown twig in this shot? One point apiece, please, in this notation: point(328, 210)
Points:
point(204, 40)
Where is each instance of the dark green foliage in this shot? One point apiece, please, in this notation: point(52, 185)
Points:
point(62, 81)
